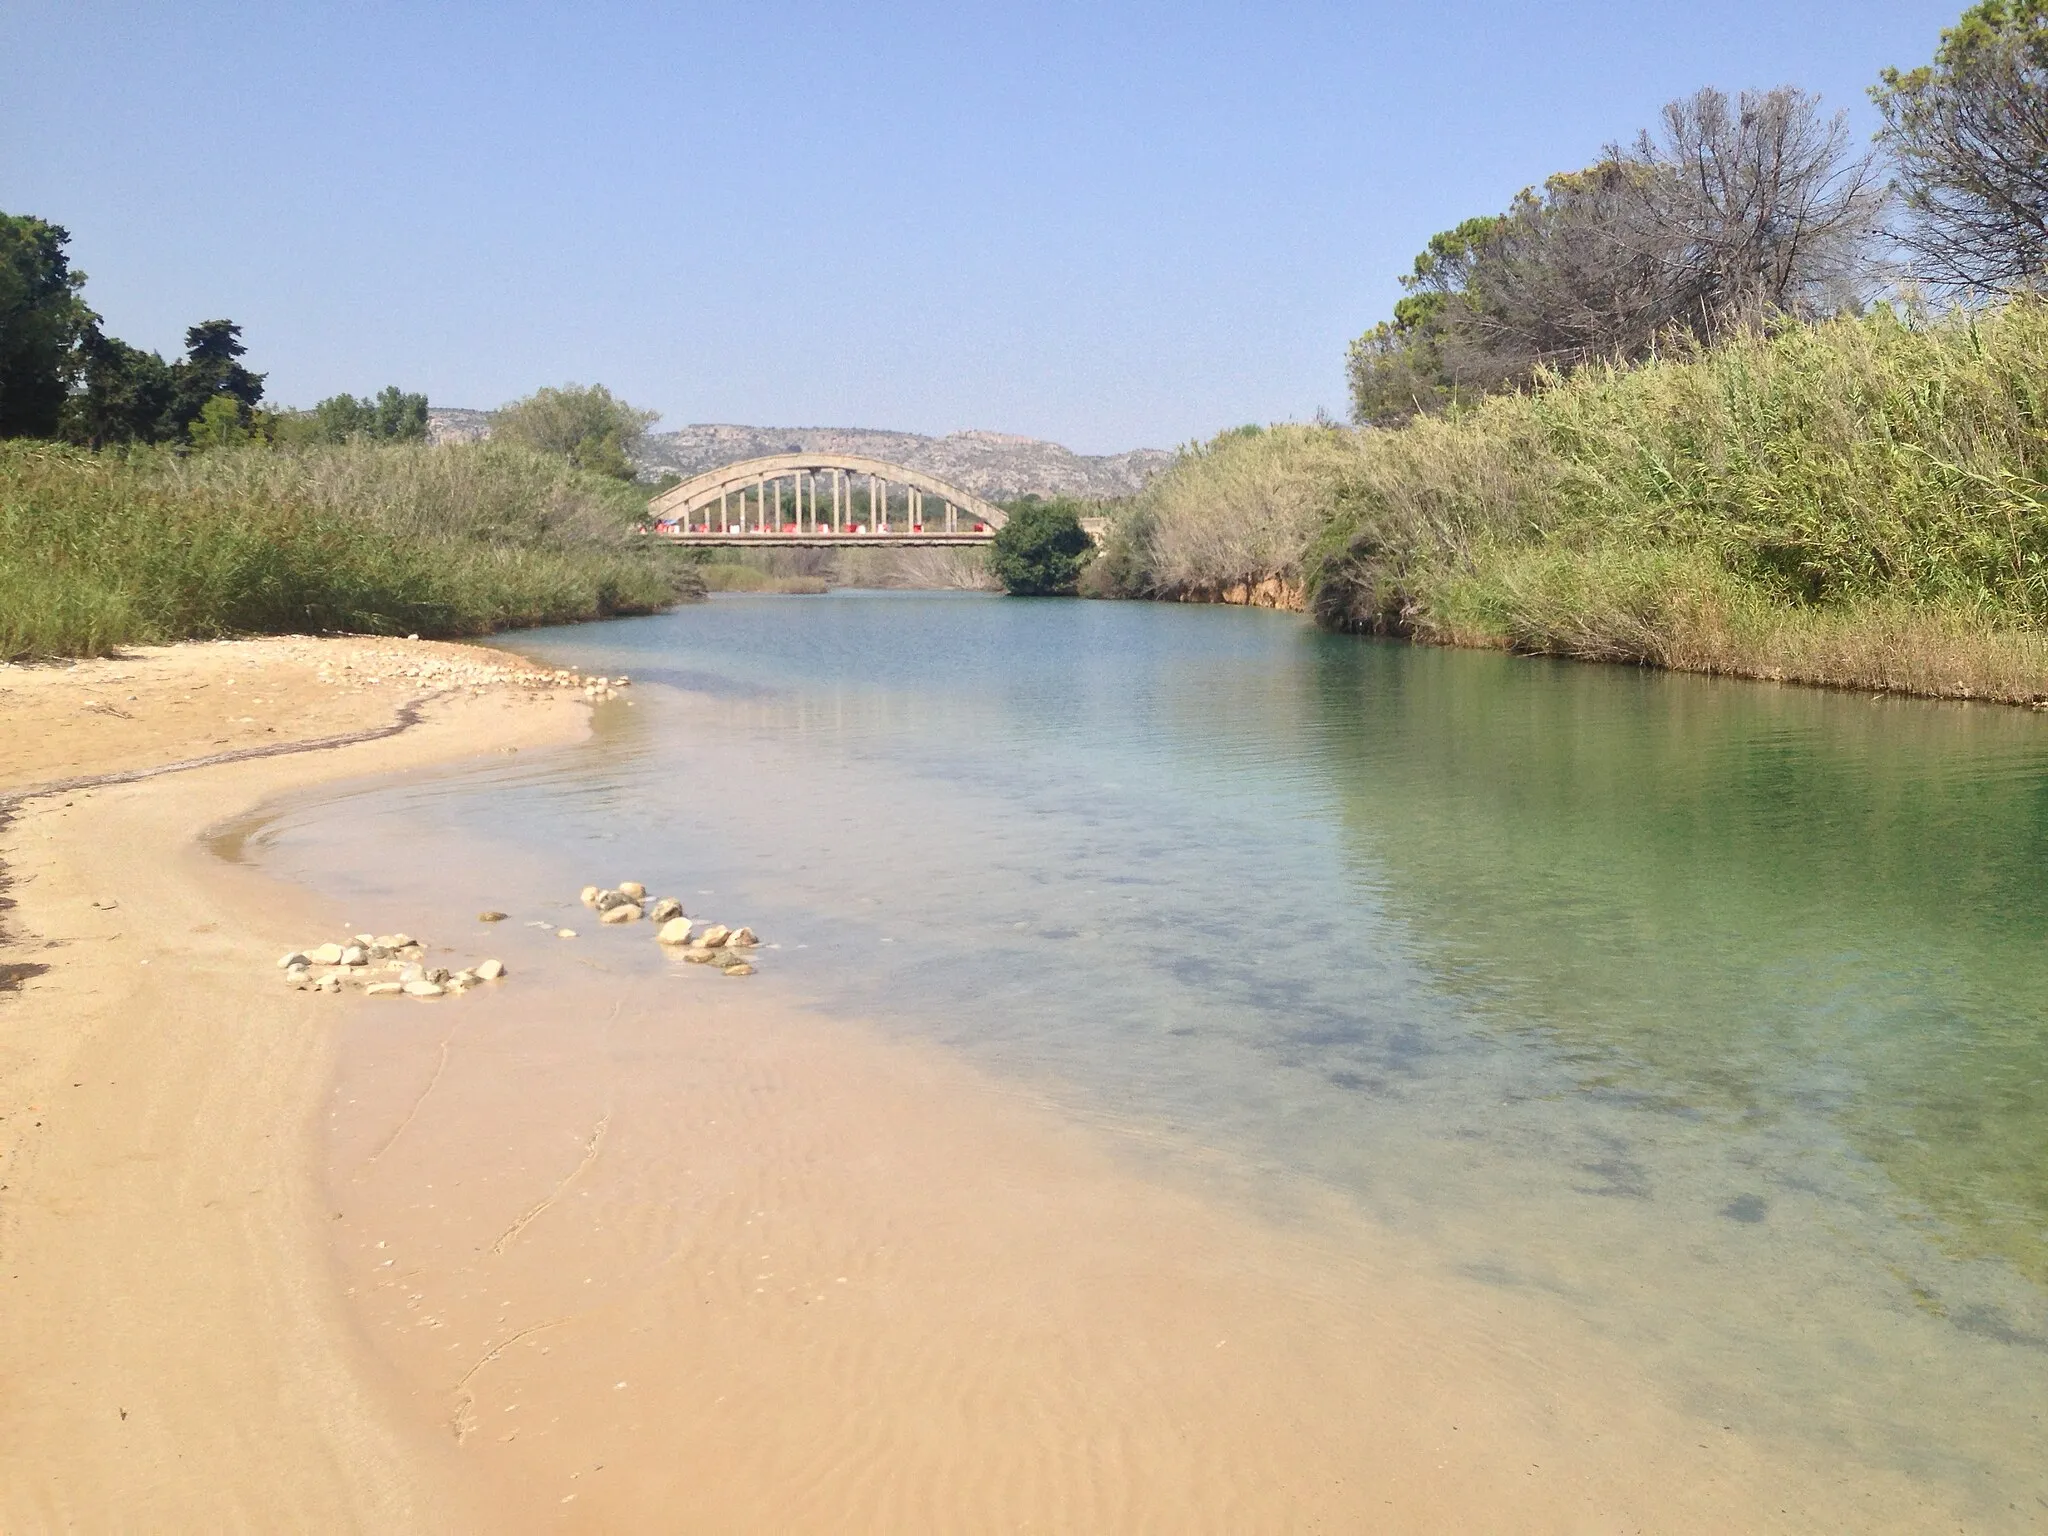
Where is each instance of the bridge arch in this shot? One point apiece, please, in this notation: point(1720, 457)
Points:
point(812, 497)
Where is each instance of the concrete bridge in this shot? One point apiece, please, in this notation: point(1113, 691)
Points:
point(821, 500)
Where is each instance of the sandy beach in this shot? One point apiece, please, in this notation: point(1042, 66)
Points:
point(174, 1349)
point(727, 1267)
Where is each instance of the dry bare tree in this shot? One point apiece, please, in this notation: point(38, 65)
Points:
point(1969, 137)
point(1733, 212)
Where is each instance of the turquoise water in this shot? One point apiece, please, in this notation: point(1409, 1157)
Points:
point(1717, 1010)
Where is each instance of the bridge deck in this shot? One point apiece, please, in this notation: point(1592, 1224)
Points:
point(773, 540)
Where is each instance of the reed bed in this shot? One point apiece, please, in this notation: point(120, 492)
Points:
point(1862, 503)
point(103, 550)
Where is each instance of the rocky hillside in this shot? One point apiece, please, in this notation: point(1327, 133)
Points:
point(992, 464)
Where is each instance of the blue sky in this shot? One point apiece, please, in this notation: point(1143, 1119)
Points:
point(1109, 224)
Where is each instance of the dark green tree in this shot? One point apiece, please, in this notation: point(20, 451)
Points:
point(124, 394)
point(1969, 136)
point(1041, 550)
point(42, 318)
point(211, 367)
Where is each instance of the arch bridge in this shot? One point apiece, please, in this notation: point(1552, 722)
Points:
point(821, 500)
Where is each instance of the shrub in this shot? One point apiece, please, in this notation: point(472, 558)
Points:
point(1041, 551)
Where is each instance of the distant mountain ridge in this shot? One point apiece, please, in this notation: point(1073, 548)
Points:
point(991, 464)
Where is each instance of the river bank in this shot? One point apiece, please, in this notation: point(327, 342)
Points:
point(1852, 503)
point(624, 1246)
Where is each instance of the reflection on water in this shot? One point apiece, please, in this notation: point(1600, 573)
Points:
point(1713, 1008)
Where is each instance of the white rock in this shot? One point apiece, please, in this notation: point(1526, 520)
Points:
point(743, 938)
point(325, 954)
point(675, 931)
point(366, 939)
point(628, 913)
point(490, 970)
point(632, 890)
point(355, 954)
point(296, 957)
point(424, 989)
point(715, 935)
point(565, 933)
point(589, 896)
point(383, 989)
point(742, 969)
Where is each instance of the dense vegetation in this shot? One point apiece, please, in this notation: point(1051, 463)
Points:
point(104, 549)
point(1660, 411)
point(149, 501)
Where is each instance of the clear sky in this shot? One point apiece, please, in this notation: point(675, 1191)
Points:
point(1111, 224)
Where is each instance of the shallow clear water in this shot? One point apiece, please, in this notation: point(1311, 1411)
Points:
point(1718, 1010)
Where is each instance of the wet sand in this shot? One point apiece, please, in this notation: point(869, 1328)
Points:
point(593, 1252)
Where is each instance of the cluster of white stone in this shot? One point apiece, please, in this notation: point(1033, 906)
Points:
point(373, 667)
point(383, 965)
point(627, 903)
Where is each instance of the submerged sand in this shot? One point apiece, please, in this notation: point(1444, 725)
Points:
point(673, 1253)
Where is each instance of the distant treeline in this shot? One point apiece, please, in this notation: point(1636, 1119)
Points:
point(1736, 398)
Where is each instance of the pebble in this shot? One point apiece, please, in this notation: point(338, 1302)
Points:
point(626, 912)
point(490, 970)
point(589, 896)
point(490, 917)
point(355, 954)
point(325, 954)
point(295, 958)
point(675, 931)
point(565, 933)
point(424, 989)
point(632, 890)
point(384, 989)
point(715, 935)
point(699, 956)
point(665, 909)
point(742, 938)
point(742, 969)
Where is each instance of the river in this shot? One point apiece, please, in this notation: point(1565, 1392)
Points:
point(1713, 1013)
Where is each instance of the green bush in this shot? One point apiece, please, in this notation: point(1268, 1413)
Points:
point(1041, 551)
